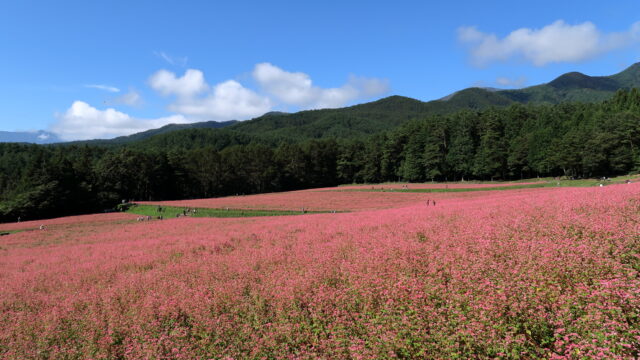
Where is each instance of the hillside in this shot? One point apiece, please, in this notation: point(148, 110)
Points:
point(577, 87)
point(346, 122)
point(350, 122)
point(153, 132)
point(35, 137)
point(391, 112)
point(524, 141)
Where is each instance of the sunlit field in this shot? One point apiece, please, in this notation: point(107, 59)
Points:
point(547, 272)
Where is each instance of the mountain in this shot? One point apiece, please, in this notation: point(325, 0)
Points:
point(36, 137)
point(576, 87)
point(368, 118)
point(390, 112)
point(174, 127)
point(159, 131)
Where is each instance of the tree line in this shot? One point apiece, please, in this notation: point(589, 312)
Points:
point(520, 141)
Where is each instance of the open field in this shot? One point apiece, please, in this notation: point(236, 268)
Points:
point(319, 200)
point(356, 197)
point(522, 273)
point(325, 199)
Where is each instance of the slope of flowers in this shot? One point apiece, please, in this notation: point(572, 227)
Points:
point(321, 200)
point(69, 220)
point(550, 273)
point(310, 200)
point(456, 185)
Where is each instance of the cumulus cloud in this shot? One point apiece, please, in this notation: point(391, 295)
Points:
point(227, 100)
point(509, 82)
point(108, 88)
point(190, 84)
point(296, 88)
point(172, 60)
point(199, 101)
point(557, 42)
point(193, 99)
point(83, 121)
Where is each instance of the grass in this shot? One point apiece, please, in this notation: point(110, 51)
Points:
point(9, 232)
point(172, 211)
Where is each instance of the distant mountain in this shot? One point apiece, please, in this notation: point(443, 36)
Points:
point(173, 127)
point(576, 87)
point(569, 87)
point(36, 137)
point(376, 116)
point(392, 111)
point(153, 132)
point(45, 137)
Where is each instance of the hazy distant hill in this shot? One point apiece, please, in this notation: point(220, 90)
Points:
point(36, 137)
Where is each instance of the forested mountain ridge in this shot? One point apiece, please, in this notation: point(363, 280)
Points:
point(358, 121)
point(575, 86)
point(393, 111)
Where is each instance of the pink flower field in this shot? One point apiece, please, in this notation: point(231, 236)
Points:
point(69, 221)
point(320, 200)
point(457, 185)
point(310, 200)
point(533, 273)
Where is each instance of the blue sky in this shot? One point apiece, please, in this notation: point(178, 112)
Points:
point(88, 69)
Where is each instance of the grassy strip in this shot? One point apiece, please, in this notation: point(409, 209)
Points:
point(9, 232)
point(172, 212)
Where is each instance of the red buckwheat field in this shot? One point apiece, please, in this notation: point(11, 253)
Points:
point(529, 273)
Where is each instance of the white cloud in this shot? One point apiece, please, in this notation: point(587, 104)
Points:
point(509, 82)
point(108, 88)
point(557, 42)
point(190, 84)
point(132, 98)
point(172, 60)
point(195, 100)
point(227, 101)
point(296, 88)
point(82, 122)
